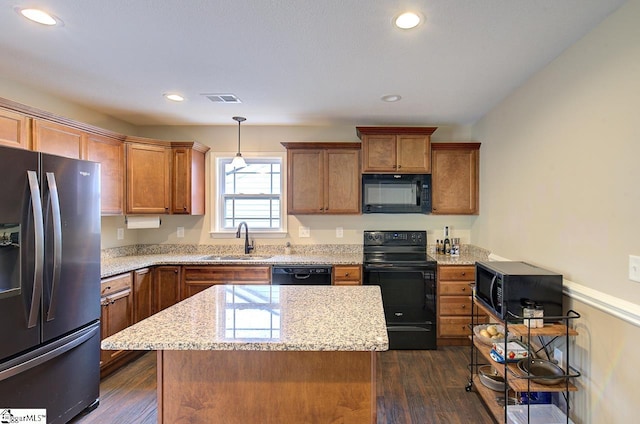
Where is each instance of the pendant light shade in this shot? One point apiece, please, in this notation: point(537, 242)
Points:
point(238, 161)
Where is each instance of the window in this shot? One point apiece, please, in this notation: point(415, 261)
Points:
point(253, 194)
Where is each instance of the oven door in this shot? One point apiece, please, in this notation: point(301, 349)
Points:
point(409, 300)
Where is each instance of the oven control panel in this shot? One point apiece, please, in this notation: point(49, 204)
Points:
point(395, 238)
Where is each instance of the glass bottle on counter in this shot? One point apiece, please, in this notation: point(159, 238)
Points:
point(447, 243)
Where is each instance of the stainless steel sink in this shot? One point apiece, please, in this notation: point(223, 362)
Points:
point(235, 258)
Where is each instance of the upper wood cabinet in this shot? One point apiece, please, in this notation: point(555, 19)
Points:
point(148, 175)
point(404, 150)
point(188, 178)
point(14, 129)
point(110, 153)
point(455, 178)
point(323, 178)
point(58, 139)
point(165, 177)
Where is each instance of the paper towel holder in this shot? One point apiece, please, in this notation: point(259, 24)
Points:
point(126, 221)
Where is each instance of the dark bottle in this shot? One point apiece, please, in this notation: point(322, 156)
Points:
point(447, 243)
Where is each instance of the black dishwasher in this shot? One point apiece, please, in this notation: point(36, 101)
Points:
point(301, 275)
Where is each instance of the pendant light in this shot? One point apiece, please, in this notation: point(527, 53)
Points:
point(238, 161)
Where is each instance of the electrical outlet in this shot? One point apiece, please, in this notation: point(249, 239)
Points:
point(339, 232)
point(634, 268)
point(557, 355)
point(120, 233)
point(304, 232)
point(180, 232)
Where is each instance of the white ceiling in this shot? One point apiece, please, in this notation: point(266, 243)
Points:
point(291, 62)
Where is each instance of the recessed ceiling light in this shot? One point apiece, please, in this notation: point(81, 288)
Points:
point(407, 20)
point(391, 98)
point(174, 97)
point(39, 16)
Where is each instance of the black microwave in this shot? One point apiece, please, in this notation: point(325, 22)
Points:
point(504, 287)
point(396, 193)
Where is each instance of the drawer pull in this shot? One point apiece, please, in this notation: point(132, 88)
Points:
point(464, 306)
point(464, 273)
point(464, 288)
point(346, 274)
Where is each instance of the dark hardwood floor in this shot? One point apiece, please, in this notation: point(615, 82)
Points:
point(414, 387)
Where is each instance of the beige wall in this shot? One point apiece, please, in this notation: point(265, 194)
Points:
point(38, 99)
point(559, 188)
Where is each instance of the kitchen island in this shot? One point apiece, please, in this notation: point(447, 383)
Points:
point(268, 354)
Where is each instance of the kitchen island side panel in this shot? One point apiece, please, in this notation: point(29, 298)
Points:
point(266, 386)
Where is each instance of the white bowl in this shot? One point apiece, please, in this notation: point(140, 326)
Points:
point(486, 340)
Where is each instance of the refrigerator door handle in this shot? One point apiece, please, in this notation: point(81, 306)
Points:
point(56, 349)
point(38, 228)
point(57, 243)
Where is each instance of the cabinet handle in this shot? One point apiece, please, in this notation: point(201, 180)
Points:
point(399, 166)
point(464, 288)
point(175, 271)
point(346, 274)
point(464, 306)
point(464, 273)
point(184, 208)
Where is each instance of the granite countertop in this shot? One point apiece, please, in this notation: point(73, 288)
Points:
point(119, 265)
point(263, 317)
point(144, 256)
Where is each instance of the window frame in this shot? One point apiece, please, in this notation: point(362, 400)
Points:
point(217, 204)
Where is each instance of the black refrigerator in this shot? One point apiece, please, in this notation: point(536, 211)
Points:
point(49, 283)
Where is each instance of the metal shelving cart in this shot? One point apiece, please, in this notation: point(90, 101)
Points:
point(518, 382)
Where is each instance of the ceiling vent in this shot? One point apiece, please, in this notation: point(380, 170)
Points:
point(223, 98)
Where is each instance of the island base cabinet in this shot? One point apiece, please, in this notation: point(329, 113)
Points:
point(266, 387)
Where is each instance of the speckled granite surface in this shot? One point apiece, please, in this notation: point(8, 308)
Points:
point(469, 255)
point(263, 317)
point(122, 264)
point(124, 259)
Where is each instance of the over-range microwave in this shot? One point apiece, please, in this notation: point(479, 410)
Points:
point(504, 287)
point(396, 193)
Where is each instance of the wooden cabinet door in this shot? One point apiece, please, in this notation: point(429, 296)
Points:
point(166, 287)
point(110, 153)
point(413, 154)
point(116, 311)
point(142, 294)
point(342, 182)
point(347, 275)
point(14, 129)
point(181, 181)
point(379, 153)
point(148, 174)
point(455, 178)
point(198, 278)
point(58, 139)
point(305, 181)
point(188, 179)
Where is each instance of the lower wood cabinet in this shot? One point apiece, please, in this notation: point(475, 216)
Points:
point(347, 275)
point(166, 286)
point(454, 304)
point(198, 278)
point(116, 312)
point(142, 294)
